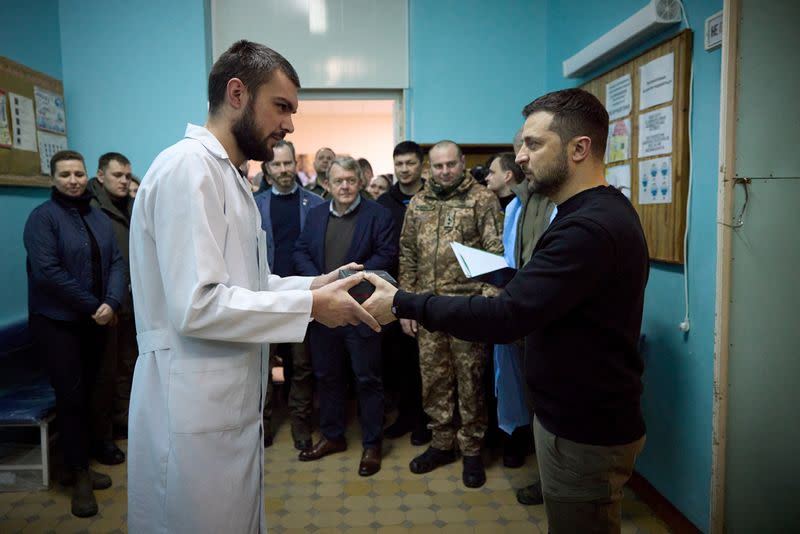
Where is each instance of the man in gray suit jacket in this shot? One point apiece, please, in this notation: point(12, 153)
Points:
point(283, 209)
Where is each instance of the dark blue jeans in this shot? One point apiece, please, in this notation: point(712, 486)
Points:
point(329, 349)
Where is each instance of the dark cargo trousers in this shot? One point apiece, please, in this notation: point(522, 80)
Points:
point(582, 484)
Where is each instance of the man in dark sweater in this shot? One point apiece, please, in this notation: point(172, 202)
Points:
point(283, 208)
point(400, 351)
point(578, 302)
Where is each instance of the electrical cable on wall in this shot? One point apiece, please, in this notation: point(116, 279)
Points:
point(685, 325)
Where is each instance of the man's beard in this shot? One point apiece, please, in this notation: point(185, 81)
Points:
point(290, 181)
point(550, 180)
point(247, 135)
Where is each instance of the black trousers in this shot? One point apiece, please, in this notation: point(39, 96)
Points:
point(329, 349)
point(125, 351)
point(401, 375)
point(72, 351)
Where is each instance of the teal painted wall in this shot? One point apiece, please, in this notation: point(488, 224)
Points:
point(39, 50)
point(677, 399)
point(473, 67)
point(134, 74)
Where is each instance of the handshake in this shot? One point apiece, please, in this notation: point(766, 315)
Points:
point(351, 296)
point(364, 289)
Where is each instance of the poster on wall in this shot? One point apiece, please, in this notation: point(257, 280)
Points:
point(50, 114)
point(655, 132)
point(655, 181)
point(619, 176)
point(656, 81)
point(49, 144)
point(5, 133)
point(23, 122)
point(618, 147)
point(619, 97)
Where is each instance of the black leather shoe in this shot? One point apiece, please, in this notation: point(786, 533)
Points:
point(474, 475)
point(531, 495)
point(323, 448)
point(430, 460)
point(267, 440)
point(83, 502)
point(107, 453)
point(421, 435)
point(370, 461)
point(302, 444)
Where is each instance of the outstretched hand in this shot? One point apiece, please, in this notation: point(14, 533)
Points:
point(333, 306)
point(325, 279)
point(379, 304)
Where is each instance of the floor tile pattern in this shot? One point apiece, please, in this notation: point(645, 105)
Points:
point(328, 496)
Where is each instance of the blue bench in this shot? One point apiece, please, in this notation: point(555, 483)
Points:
point(26, 398)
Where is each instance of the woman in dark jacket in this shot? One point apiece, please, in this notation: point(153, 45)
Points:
point(76, 281)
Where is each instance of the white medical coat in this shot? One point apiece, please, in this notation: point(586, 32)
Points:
point(205, 306)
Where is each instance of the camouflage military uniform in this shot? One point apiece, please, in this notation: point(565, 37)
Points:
point(470, 215)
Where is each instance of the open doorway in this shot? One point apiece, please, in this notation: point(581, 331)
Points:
point(360, 124)
point(356, 128)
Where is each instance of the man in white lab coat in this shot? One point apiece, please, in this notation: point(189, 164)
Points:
point(206, 305)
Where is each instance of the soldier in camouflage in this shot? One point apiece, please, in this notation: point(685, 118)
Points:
point(451, 207)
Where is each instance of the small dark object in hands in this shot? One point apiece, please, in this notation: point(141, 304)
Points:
point(363, 290)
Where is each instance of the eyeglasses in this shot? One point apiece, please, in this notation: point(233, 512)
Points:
point(340, 181)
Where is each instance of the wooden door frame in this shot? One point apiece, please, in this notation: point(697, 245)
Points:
point(725, 200)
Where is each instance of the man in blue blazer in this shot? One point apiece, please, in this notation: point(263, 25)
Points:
point(284, 210)
point(348, 229)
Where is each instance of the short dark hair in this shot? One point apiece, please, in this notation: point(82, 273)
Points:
point(284, 142)
point(253, 63)
point(575, 112)
point(508, 163)
point(65, 155)
point(408, 147)
point(136, 179)
point(108, 157)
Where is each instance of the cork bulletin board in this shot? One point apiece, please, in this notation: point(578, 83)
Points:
point(32, 119)
point(648, 144)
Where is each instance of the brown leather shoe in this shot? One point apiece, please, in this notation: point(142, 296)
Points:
point(370, 462)
point(323, 448)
